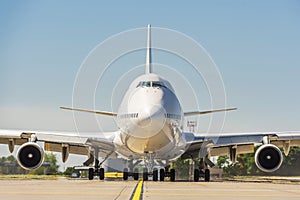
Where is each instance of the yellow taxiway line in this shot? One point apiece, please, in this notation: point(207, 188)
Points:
point(137, 193)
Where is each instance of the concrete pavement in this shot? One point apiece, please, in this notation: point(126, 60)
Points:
point(83, 189)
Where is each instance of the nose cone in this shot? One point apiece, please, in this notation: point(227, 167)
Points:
point(150, 121)
point(144, 119)
point(151, 116)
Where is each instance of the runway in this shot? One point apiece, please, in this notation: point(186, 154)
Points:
point(84, 189)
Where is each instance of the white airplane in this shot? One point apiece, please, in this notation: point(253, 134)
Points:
point(150, 118)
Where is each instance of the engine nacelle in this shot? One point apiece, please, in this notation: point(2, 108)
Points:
point(30, 156)
point(268, 158)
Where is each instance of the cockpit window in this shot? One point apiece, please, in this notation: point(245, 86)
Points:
point(150, 84)
point(146, 84)
point(157, 84)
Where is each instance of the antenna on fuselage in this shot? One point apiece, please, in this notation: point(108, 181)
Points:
point(148, 55)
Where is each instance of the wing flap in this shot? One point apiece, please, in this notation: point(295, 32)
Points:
point(56, 147)
point(17, 141)
point(292, 143)
point(54, 141)
point(220, 144)
point(61, 138)
point(240, 149)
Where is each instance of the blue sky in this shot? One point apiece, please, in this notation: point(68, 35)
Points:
point(255, 44)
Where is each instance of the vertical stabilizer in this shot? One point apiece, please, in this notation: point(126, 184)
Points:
point(148, 55)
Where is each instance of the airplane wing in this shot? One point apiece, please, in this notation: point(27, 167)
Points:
point(193, 113)
point(233, 144)
point(65, 142)
point(91, 111)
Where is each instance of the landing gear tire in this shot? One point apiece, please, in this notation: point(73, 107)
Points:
point(196, 175)
point(155, 174)
point(145, 174)
point(161, 175)
point(172, 175)
point(91, 173)
point(101, 174)
point(125, 174)
point(207, 175)
point(136, 174)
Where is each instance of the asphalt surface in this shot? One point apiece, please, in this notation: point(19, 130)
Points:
point(84, 189)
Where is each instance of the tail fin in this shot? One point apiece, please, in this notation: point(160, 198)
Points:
point(148, 55)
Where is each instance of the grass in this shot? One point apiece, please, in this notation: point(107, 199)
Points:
point(269, 179)
point(28, 176)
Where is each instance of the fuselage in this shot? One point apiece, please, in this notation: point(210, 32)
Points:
point(149, 118)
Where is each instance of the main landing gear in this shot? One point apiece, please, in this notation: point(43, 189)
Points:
point(96, 170)
point(200, 173)
point(201, 170)
point(159, 175)
point(134, 174)
point(156, 174)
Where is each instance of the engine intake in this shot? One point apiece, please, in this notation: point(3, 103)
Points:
point(268, 158)
point(30, 156)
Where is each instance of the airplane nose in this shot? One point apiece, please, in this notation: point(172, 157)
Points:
point(153, 116)
point(144, 119)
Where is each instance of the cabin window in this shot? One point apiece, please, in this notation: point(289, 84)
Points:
point(172, 116)
point(128, 115)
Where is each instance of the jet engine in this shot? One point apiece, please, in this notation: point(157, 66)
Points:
point(268, 158)
point(30, 156)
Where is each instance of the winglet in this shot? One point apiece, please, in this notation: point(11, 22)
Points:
point(148, 55)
